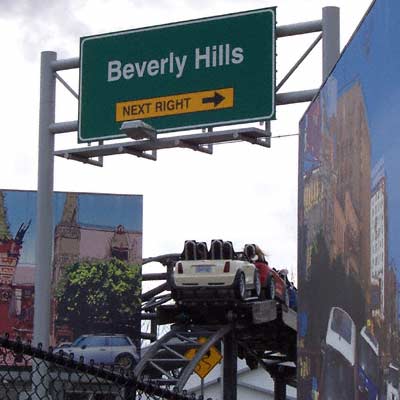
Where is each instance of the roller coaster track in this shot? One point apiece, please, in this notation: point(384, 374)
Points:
point(166, 363)
point(264, 333)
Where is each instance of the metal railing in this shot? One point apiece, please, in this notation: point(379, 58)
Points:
point(32, 373)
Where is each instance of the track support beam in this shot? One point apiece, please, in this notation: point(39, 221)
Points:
point(280, 387)
point(230, 367)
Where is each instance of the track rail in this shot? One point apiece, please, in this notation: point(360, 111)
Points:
point(166, 363)
point(264, 332)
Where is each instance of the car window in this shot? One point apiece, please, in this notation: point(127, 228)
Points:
point(118, 341)
point(342, 324)
point(93, 341)
point(78, 341)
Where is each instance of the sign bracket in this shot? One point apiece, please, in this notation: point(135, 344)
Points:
point(197, 142)
point(193, 146)
point(66, 85)
point(298, 63)
point(84, 160)
point(141, 154)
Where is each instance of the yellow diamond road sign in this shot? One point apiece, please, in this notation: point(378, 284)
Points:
point(208, 361)
point(206, 100)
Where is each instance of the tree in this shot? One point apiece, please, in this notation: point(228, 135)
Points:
point(5, 233)
point(99, 295)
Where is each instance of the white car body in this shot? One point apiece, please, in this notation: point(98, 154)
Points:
point(392, 390)
point(100, 348)
point(341, 334)
point(210, 273)
point(392, 393)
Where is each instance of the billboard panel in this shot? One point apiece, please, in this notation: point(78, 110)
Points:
point(349, 219)
point(96, 279)
point(192, 74)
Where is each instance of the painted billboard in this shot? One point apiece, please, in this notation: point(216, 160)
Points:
point(349, 221)
point(96, 279)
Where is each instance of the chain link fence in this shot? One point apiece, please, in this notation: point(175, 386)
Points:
point(31, 373)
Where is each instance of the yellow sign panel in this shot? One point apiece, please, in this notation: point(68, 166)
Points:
point(208, 361)
point(207, 100)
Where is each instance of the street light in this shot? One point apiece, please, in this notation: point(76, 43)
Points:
point(138, 130)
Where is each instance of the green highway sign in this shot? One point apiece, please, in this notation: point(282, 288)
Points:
point(193, 74)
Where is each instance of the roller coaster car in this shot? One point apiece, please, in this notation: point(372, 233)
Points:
point(290, 289)
point(203, 275)
point(273, 285)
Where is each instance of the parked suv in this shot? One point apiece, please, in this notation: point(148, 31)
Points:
point(116, 350)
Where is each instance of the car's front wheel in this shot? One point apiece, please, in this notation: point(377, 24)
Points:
point(240, 287)
point(125, 361)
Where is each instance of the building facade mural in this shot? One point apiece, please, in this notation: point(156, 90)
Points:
point(349, 221)
point(91, 232)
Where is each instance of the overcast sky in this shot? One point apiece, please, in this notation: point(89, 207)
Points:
point(242, 192)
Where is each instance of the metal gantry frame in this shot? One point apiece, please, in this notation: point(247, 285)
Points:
point(329, 26)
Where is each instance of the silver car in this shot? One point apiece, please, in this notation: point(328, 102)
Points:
point(118, 350)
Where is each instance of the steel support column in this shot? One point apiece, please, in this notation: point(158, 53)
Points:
point(330, 39)
point(153, 329)
point(44, 244)
point(280, 387)
point(44, 220)
point(229, 367)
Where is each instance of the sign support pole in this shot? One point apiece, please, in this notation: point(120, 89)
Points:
point(44, 213)
point(330, 39)
point(44, 210)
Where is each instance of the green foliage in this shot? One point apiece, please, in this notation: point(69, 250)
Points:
point(5, 233)
point(99, 293)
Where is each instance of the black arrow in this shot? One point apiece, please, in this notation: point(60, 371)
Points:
point(216, 99)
